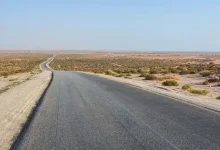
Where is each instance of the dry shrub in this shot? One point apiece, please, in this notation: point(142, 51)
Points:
point(170, 83)
point(186, 87)
point(150, 77)
point(199, 91)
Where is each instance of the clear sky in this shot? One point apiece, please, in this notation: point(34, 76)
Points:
point(143, 25)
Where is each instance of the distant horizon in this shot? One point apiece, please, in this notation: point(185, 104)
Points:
point(109, 51)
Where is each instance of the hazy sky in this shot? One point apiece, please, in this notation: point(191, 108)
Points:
point(163, 25)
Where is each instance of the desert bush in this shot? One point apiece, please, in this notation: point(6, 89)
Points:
point(150, 77)
point(170, 83)
point(173, 70)
point(199, 91)
point(154, 71)
point(186, 87)
point(133, 71)
point(141, 71)
point(110, 72)
point(206, 73)
point(218, 97)
point(205, 83)
point(192, 71)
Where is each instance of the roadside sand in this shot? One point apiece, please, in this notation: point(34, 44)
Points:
point(13, 80)
point(16, 105)
point(208, 102)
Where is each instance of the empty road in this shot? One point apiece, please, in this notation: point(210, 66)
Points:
point(81, 111)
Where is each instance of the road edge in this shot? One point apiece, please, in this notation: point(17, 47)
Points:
point(26, 125)
point(173, 97)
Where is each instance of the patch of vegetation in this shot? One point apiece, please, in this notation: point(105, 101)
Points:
point(218, 97)
point(206, 73)
point(205, 83)
point(142, 75)
point(170, 83)
point(186, 87)
point(199, 91)
point(154, 71)
point(20, 63)
point(150, 77)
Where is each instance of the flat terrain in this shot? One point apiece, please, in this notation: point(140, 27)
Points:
point(12, 63)
point(81, 111)
point(16, 68)
point(200, 72)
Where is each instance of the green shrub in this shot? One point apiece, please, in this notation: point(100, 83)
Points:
point(199, 92)
point(186, 87)
point(150, 77)
point(170, 83)
point(205, 83)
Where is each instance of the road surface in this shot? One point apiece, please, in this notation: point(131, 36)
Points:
point(81, 111)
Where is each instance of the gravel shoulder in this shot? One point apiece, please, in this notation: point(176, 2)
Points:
point(201, 101)
point(17, 103)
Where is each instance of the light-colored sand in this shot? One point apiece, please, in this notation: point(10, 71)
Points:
point(12, 80)
point(16, 105)
point(176, 93)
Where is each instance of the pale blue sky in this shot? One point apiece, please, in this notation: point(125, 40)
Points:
point(143, 25)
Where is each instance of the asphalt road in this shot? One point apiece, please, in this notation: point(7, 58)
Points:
point(81, 111)
point(44, 64)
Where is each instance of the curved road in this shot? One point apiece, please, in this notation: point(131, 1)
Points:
point(81, 111)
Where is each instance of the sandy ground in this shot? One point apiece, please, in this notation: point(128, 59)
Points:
point(177, 93)
point(16, 104)
point(12, 80)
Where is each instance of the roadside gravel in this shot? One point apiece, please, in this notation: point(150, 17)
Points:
point(17, 103)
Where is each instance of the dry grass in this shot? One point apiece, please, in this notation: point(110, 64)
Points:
point(199, 91)
point(135, 63)
point(18, 63)
point(119, 63)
